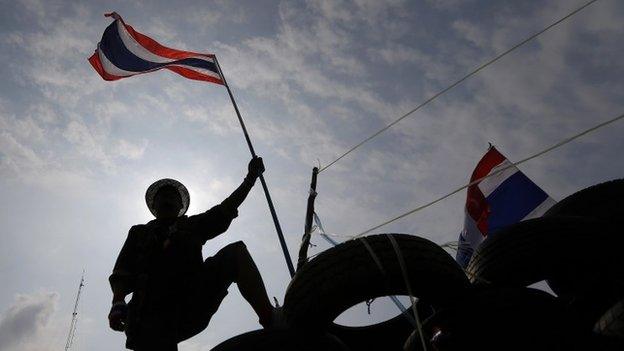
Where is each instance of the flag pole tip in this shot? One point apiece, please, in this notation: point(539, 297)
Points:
point(113, 14)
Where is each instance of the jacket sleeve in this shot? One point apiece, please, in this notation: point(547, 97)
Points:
point(124, 272)
point(213, 222)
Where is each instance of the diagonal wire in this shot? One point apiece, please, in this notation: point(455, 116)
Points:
point(472, 73)
point(555, 146)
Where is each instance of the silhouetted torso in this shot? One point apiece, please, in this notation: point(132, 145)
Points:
point(161, 263)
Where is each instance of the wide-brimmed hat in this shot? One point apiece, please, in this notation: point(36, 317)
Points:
point(157, 185)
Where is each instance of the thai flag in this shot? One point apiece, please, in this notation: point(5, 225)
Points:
point(500, 199)
point(124, 52)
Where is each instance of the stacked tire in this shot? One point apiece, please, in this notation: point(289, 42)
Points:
point(576, 247)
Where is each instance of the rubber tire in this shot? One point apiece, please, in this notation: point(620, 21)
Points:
point(603, 201)
point(611, 324)
point(347, 274)
point(282, 340)
point(569, 250)
point(413, 342)
point(609, 330)
point(549, 247)
point(504, 318)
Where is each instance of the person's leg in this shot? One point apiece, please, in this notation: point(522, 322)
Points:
point(250, 283)
point(233, 264)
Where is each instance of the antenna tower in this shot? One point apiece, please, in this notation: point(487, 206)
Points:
point(72, 326)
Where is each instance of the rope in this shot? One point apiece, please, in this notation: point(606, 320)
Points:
point(414, 321)
point(555, 146)
point(403, 267)
point(461, 80)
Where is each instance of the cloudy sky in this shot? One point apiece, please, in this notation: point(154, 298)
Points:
point(312, 78)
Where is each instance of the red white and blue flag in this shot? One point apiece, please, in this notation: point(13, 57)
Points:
point(497, 201)
point(124, 52)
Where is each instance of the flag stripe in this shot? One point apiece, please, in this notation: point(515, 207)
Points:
point(137, 49)
point(97, 65)
point(491, 159)
point(541, 209)
point(476, 204)
point(488, 185)
point(515, 198)
point(192, 74)
point(477, 208)
point(112, 68)
point(464, 251)
point(199, 70)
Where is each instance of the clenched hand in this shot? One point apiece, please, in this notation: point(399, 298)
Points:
point(117, 316)
point(255, 167)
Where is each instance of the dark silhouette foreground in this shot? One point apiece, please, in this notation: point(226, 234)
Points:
point(174, 290)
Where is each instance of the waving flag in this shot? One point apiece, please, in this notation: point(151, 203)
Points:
point(497, 201)
point(124, 52)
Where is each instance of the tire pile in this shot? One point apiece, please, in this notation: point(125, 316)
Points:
point(577, 247)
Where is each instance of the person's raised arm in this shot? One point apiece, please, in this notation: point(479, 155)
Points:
point(217, 219)
point(254, 170)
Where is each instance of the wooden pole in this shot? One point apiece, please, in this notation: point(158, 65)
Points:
point(305, 241)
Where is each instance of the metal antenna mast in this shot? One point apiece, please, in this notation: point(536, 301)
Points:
point(72, 326)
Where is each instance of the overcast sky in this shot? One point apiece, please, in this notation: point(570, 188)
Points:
point(312, 78)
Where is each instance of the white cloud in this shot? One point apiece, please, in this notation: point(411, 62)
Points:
point(220, 120)
point(17, 158)
point(398, 54)
point(26, 164)
point(130, 150)
point(355, 12)
point(26, 320)
point(221, 11)
point(36, 7)
point(471, 32)
point(87, 143)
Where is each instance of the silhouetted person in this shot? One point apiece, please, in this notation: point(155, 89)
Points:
point(174, 290)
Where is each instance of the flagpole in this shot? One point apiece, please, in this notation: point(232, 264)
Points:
point(278, 228)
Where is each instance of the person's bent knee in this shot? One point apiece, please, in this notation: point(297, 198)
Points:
point(239, 245)
point(233, 253)
point(237, 248)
